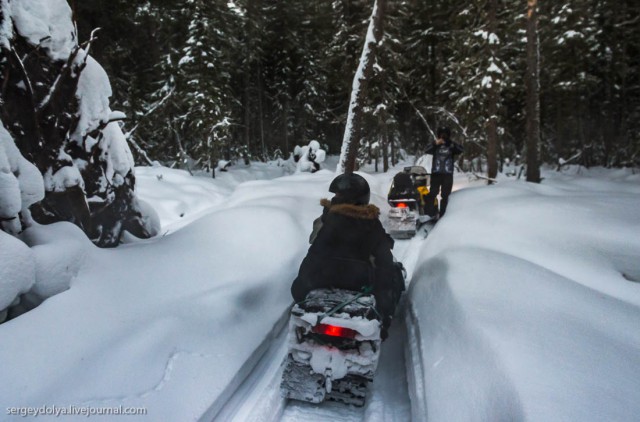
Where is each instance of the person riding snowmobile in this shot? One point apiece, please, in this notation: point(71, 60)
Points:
point(411, 183)
point(351, 250)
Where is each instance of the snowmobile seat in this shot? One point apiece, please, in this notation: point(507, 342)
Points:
point(402, 187)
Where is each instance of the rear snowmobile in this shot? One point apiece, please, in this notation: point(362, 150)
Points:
point(410, 202)
point(403, 218)
point(334, 346)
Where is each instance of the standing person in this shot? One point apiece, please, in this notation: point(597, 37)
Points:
point(350, 249)
point(444, 152)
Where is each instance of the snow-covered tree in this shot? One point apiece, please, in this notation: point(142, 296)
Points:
point(309, 157)
point(353, 131)
point(206, 75)
point(587, 77)
point(55, 108)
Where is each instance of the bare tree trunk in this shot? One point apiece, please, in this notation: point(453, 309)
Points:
point(285, 122)
point(373, 157)
point(384, 127)
point(247, 136)
point(359, 90)
point(533, 93)
point(492, 124)
point(393, 154)
point(247, 107)
point(385, 146)
point(260, 109)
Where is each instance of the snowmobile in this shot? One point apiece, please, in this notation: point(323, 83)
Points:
point(410, 203)
point(334, 346)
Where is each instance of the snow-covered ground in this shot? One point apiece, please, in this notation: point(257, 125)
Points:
point(524, 304)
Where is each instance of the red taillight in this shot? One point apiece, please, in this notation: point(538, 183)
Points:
point(334, 331)
point(401, 205)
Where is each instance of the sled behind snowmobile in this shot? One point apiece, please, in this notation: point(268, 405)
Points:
point(334, 346)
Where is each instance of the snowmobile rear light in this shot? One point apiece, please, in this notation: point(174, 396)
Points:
point(401, 205)
point(334, 331)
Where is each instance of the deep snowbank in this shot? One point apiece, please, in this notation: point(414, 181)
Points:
point(167, 323)
point(41, 263)
point(58, 252)
point(522, 307)
point(180, 199)
point(17, 272)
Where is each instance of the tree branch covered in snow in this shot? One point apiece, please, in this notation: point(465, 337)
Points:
point(55, 111)
point(65, 72)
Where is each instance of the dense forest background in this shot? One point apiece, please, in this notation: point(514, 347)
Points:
point(202, 80)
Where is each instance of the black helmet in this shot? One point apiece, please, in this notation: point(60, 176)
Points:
point(444, 133)
point(350, 188)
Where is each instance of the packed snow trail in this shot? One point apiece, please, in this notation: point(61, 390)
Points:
point(388, 396)
point(257, 398)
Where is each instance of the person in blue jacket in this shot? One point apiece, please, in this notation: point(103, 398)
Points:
point(444, 152)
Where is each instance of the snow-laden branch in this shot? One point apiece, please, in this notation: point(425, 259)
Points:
point(17, 62)
point(151, 110)
point(480, 176)
point(424, 120)
point(103, 125)
point(452, 117)
point(25, 76)
point(563, 162)
point(141, 151)
point(66, 69)
point(223, 123)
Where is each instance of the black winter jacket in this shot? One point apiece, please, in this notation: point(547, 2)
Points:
point(443, 157)
point(350, 251)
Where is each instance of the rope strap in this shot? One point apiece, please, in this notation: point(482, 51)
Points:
point(365, 291)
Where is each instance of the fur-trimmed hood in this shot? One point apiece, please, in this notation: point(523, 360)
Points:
point(367, 212)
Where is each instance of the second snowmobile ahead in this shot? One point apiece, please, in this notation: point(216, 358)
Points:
point(334, 346)
point(410, 202)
